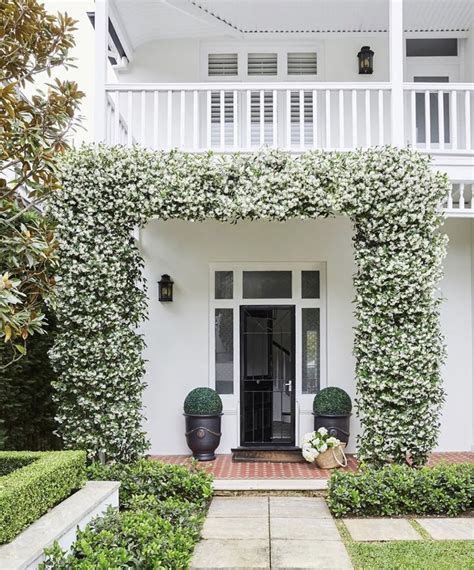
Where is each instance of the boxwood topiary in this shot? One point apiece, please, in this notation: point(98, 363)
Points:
point(332, 401)
point(203, 402)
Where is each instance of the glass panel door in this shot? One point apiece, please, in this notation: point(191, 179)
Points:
point(267, 375)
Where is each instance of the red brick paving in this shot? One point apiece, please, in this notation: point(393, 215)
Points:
point(224, 468)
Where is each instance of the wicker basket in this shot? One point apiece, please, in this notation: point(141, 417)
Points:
point(332, 458)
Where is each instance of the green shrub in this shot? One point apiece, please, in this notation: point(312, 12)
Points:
point(131, 539)
point(41, 480)
point(332, 401)
point(402, 490)
point(26, 395)
point(163, 508)
point(203, 402)
point(147, 477)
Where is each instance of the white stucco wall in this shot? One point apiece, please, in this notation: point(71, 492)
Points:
point(177, 333)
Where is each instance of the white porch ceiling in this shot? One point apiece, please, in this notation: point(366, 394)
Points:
point(147, 20)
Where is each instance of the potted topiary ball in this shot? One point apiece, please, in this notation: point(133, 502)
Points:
point(332, 409)
point(203, 411)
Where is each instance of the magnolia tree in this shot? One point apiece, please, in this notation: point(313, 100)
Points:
point(394, 200)
point(33, 132)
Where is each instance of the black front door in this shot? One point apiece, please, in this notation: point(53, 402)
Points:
point(267, 364)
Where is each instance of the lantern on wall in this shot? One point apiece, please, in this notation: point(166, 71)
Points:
point(165, 289)
point(366, 60)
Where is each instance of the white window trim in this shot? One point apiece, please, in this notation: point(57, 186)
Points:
point(303, 402)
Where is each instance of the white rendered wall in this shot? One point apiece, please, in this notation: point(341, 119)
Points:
point(456, 322)
point(177, 334)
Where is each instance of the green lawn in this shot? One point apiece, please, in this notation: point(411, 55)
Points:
point(442, 555)
point(410, 555)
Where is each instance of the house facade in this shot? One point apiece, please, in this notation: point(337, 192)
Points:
point(263, 311)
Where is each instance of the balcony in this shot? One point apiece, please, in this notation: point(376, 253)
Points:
point(294, 116)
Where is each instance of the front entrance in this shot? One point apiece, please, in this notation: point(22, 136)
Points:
point(267, 375)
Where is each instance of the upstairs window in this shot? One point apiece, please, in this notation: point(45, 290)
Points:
point(432, 47)
point(262, 64)
point(222, 64)
point(302, 63)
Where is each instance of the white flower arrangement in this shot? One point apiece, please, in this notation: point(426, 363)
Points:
point(316, 442)
point(394, 200)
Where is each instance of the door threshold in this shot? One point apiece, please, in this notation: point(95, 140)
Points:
point(268, 454)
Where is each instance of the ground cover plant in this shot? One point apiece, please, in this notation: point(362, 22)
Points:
point(33, 482)
point(400, 490)
point(162, 508)
point(394, 200)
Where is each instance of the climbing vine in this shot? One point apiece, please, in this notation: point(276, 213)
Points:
point(393, 198)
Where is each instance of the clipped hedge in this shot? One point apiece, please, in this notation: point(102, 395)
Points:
point(162, 509)
point(401, 490)
point(152, 478)
point(40, 481)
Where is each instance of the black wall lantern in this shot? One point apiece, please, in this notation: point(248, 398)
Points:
point(165, 289)
point(366, 60)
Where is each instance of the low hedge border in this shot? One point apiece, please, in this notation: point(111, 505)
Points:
point(162, 509)
point(397, 490)
point(35, 482)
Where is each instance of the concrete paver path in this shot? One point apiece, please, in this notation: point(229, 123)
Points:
point(449, 529)
point(380, 530)
point(270, 532)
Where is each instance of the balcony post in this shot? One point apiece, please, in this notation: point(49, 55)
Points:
point(396, 71)
point(101, 33)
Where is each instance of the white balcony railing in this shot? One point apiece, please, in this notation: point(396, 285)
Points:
point(439, 116)
point(230, 116)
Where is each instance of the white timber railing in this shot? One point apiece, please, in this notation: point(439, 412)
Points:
point(440, 117)
point(243, 116)
point(460, 200)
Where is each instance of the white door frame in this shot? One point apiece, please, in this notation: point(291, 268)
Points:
point(303, 402)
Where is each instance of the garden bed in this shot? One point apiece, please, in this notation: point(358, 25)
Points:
point(31, 483)
point(396, 490)
point(162, 509)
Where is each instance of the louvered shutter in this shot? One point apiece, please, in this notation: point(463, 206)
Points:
point(302, 63)
point(222, 64)
point(262, 64)
point(307, 118)
point(255, 118)
point(228, 117)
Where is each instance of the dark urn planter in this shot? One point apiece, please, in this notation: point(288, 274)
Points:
point(203, 435)
point(337, 425)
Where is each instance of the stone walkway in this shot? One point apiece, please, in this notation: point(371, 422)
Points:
point(270, 532)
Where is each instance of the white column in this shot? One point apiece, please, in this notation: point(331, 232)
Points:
point(101, 33)
point(396, 71)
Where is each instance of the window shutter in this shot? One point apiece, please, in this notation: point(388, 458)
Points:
point(302, 63)
point(216, 118)
point(262, 64)
point(307, 117)
point(255, 115)
point(222, 64)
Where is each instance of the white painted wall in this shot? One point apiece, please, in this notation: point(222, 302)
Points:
point(177, 333)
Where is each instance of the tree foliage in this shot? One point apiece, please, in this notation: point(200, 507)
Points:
point(34, 126)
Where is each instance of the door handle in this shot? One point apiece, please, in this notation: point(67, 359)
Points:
point(289, 385)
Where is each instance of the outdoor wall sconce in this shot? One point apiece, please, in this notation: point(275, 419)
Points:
point(165, 289)
point(366, 60)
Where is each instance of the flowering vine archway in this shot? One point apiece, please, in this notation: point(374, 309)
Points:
point(393, 198)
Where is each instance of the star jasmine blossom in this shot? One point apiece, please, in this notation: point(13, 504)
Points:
point(394, 200)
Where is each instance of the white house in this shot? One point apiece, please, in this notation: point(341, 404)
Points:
point(234, 75)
